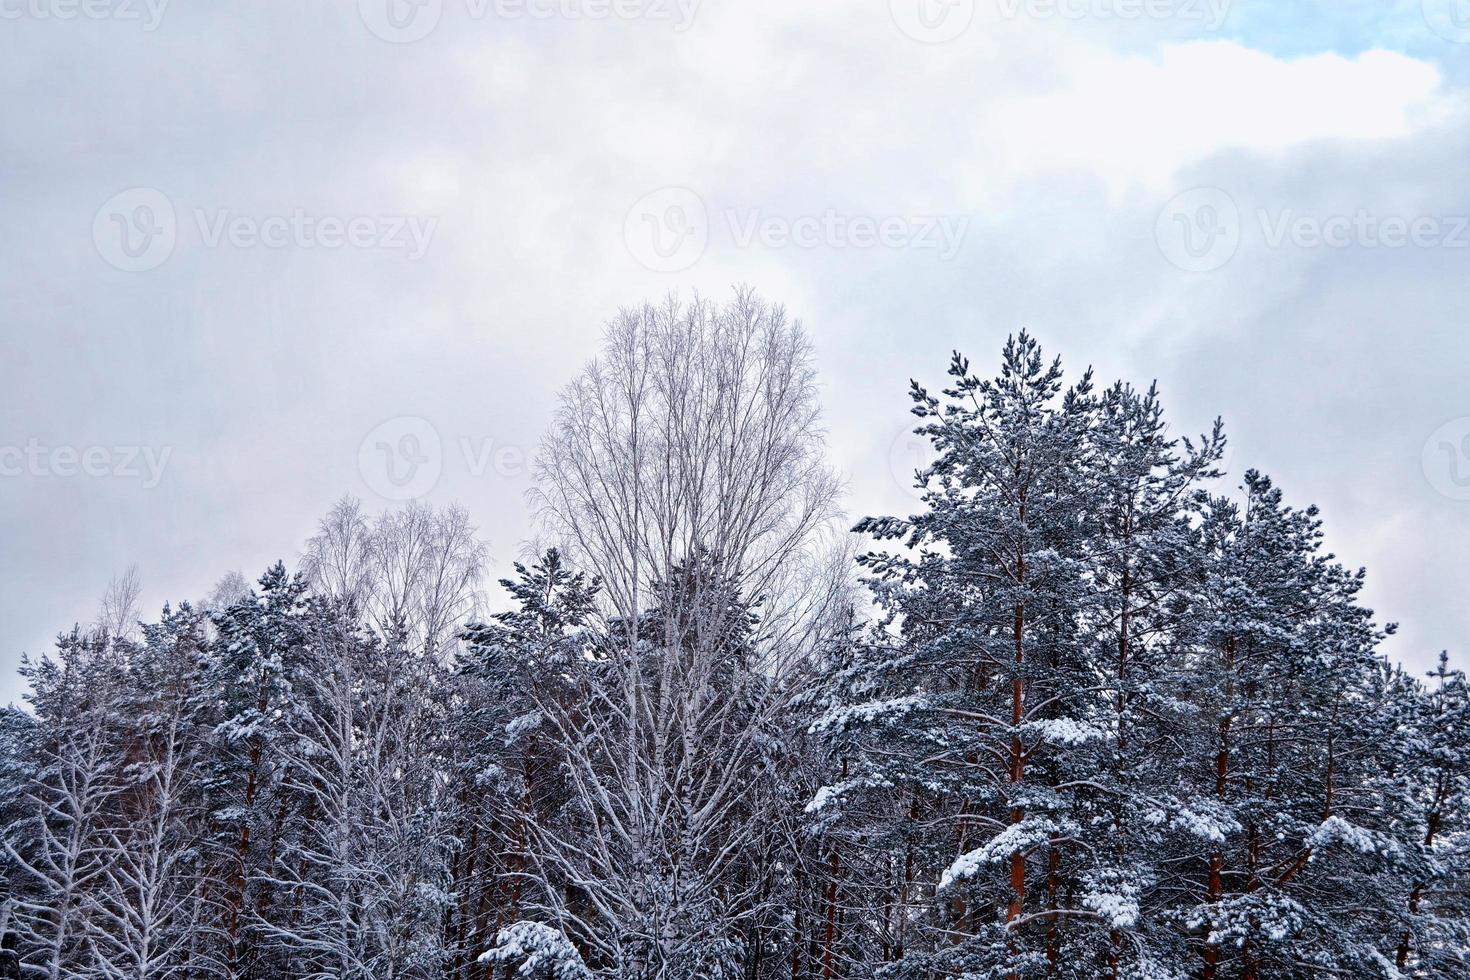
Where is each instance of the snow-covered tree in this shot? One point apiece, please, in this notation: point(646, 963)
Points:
point(247, 697)
point(146, 910)
point(1090, 719)
point(59, 845)
point(1432, 725)
point(363, 876)
point(685, 471)
point(509, 769)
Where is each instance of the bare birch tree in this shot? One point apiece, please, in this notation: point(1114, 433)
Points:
point(685, 469)
point(339, 557)
point(145, 910)
point(58, 845)
point(118, 612)
point(413, 573)
point(364, 871)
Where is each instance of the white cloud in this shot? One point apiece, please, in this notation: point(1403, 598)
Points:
point(531, 140)
point(1138, 120)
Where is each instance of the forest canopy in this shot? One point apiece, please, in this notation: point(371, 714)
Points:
point(1082, 714)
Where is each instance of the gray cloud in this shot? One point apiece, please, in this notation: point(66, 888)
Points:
point(260, 369)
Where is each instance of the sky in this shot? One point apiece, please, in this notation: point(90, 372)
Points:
point(255, 256)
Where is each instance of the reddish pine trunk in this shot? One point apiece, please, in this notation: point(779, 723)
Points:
point(1115, 938)
point(830, 935)
point(1402, 958)
point(1018, 758)
point(1306, 854)
point(465, 874)
point(1215, 888)
point(237, 891)
point(1212, 952)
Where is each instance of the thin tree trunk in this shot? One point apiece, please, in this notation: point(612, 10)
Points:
point(1215, 888)
point(1017, 754)
point(831, 929)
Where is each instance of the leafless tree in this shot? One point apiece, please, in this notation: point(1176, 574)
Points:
point(118, 612)
point(338, 559)
point(413, 573)
point(686, 469)
point(58, 846)
point(147, 900)
point(230, 589)
point(448, 587)
point(364, 871)
point(696, 432)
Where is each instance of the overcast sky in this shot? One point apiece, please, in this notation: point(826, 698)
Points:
point(256, 255)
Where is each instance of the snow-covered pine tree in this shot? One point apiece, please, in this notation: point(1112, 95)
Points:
point(1431, 726)
point(362, 879)
point(1143, 562)
point(509, 772)
point(1293, 822)
point(977, 707)
point(249, 687)
point(18, 757)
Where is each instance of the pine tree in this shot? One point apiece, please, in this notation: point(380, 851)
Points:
point(986, 683)
point(247, 691)
point(1432, 728)
point(360, 882)
point(1143, 559)
point(1096, 721)
point(511, 773)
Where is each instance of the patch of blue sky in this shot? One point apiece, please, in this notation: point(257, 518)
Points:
point(1435, 30)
